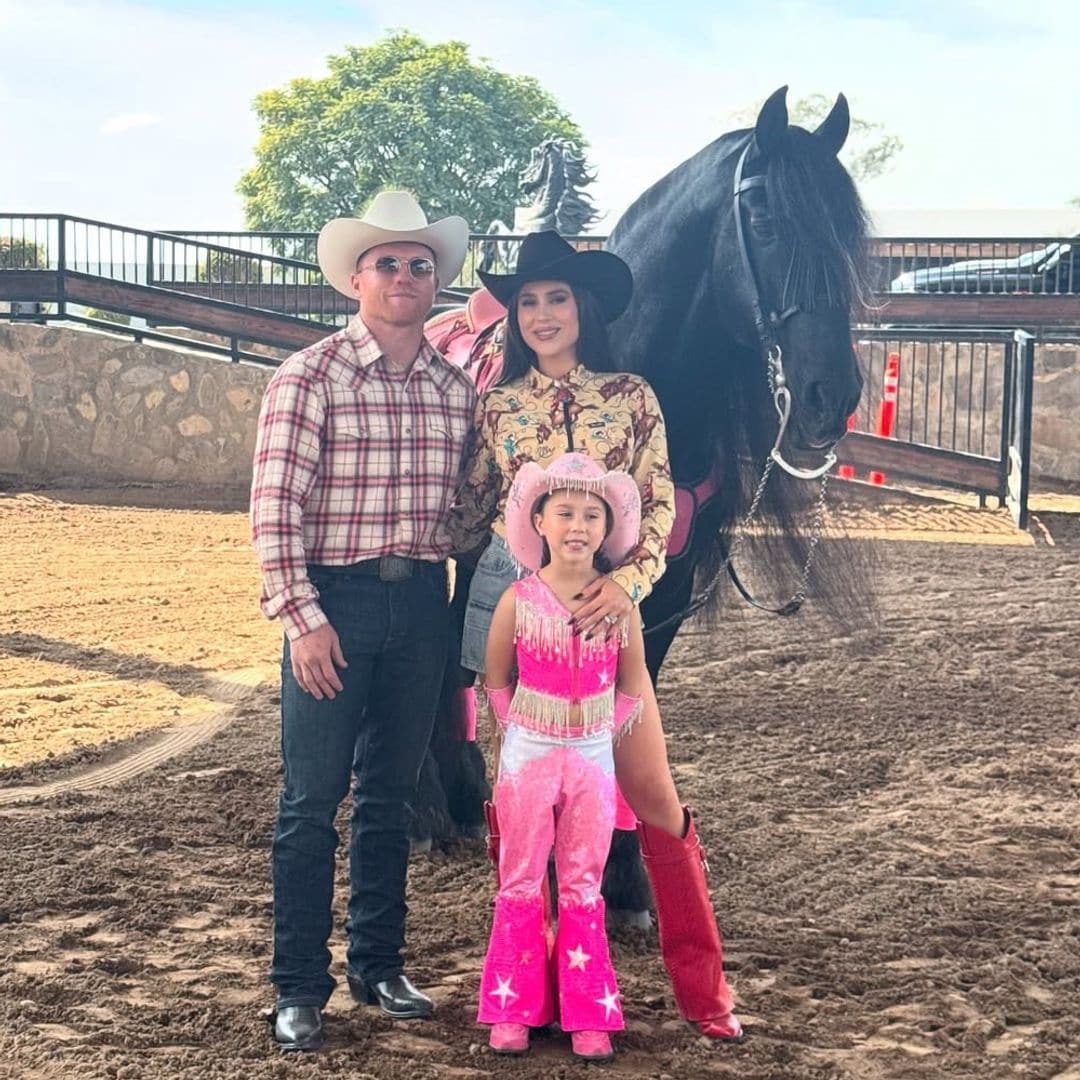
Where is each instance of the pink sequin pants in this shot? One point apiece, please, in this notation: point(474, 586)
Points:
point(561, 793)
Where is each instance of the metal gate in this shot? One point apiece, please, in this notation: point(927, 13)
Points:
point(962, 411)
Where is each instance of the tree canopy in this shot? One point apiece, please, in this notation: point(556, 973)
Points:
point(397, 114)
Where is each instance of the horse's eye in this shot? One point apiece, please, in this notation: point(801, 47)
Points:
point(762, 224)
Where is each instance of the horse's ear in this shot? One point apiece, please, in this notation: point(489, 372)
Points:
point(833, 130)
point(770, 129)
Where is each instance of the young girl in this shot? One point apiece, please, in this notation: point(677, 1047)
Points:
point(556, 784)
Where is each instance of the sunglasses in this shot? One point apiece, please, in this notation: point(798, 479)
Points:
point(419, 268)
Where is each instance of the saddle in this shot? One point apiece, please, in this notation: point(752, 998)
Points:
point(470, 337)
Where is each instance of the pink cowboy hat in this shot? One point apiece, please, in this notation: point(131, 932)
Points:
point(574, 472)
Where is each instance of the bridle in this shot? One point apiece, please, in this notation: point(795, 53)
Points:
point(767, 326)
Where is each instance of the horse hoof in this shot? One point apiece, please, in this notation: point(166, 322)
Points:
point(635, 920)
point(420, 847)
point(474, 832)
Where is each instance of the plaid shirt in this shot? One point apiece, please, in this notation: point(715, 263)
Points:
point(353, 461)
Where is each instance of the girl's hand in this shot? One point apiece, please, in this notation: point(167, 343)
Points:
point(604, 606)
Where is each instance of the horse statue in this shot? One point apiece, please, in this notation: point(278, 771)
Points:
point(748, 259)
point(553, 180)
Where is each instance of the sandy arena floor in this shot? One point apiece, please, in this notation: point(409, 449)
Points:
point(892, 819)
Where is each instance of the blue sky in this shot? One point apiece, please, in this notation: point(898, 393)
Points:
point(140, 112)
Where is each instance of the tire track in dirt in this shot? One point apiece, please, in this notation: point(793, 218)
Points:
point(235, 688)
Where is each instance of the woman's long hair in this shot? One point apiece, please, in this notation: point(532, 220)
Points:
point(593, 346)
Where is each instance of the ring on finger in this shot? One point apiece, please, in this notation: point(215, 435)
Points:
point(611, 620)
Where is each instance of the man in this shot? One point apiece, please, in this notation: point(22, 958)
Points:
point(359, 447)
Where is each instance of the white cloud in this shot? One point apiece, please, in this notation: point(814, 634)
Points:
point(125, 122)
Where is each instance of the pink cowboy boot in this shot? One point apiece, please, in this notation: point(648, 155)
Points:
point(589, 1005)
point(514, 984)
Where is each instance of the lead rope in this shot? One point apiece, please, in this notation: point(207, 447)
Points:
point(799, 596)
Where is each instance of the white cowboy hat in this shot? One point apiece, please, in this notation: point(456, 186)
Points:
point(392, 217)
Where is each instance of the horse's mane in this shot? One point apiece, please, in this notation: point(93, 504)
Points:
point(576, 211)
point(819, 215)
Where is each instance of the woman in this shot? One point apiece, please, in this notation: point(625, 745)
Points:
point(557, 393)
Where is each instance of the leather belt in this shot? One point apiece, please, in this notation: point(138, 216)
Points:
point(385, 567)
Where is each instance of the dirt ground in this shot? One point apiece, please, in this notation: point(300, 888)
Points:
point(891, 816)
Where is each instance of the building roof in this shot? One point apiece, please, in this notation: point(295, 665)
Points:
point(1049, 222)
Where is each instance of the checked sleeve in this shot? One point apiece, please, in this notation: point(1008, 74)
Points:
point(287, 452)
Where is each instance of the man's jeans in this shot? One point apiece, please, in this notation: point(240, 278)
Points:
point(394, 636)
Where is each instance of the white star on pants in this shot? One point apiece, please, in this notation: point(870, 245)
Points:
point(503, 991)
point(610, 1001)
point(578, 958)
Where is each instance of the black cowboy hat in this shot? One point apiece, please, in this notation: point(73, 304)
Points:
point(546, 256)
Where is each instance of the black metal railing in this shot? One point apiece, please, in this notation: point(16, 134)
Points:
point(1046, 266)
point(245, 277)
point(1040, 265)
point(497, 253)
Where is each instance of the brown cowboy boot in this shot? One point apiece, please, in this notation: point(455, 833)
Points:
point(689, 938)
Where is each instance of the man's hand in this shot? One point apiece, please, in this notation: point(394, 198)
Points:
point(313, 658)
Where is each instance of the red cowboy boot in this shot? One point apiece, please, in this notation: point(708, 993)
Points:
point(689, 939)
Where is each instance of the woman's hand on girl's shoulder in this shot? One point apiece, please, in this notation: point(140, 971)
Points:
point(604, 605)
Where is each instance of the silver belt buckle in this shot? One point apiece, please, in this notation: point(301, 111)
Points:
point(395, 568)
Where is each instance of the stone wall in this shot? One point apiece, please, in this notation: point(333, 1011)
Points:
point(86, 406)
point(1055, 427)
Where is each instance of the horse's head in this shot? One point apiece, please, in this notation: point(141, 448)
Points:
point(544, 168)
point(787, 264)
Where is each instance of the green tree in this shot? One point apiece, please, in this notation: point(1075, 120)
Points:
point(223, 267)
point(397, 114)
point(20, 254)
point(869, 149)
point(108, 316)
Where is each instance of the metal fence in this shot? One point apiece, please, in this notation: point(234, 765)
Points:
point(973, 265)
point(963, 406)
point(497, 253)
point(950, 392)
point(1048, 266)
point(252, 277)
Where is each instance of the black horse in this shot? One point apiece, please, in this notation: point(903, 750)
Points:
point(748, 259)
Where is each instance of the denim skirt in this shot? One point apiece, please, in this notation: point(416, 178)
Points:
point(494, 574)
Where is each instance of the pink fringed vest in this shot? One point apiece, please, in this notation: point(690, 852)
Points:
point(558, 670)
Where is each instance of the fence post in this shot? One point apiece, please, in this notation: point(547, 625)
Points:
point(1020, 443)
point(61, 266)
